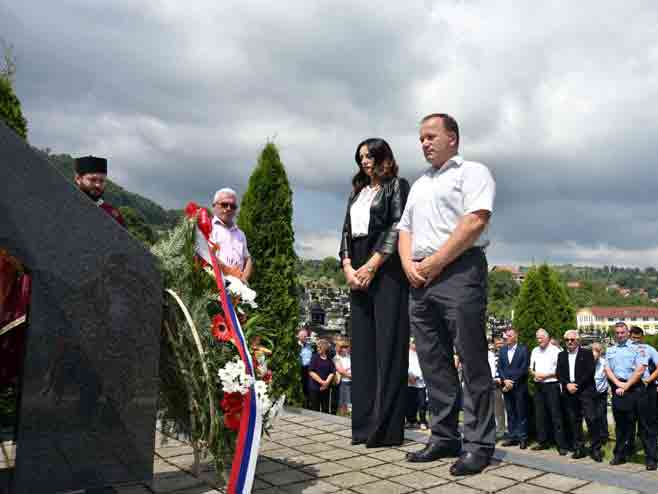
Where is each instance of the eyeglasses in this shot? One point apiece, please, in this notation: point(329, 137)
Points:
point(227, 205)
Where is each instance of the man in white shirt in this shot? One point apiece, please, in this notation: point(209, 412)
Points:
point(548, 413)
point(233, 254)
point(441, 244)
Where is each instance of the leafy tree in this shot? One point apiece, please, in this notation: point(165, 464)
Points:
point(10, 105)
point(137, 226)
point(561, 315)
point(266, 219)
point(502, 292)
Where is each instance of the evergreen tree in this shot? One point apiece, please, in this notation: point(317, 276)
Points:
point(10, 108)
point(561, 314)
point(530, 310)
point(266, 219)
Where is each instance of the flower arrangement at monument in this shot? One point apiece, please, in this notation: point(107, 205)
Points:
point(214, 375)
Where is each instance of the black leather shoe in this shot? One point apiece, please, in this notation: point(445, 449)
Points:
point(651, 465)
point(523, 443)
point(618, 460)
point(540, 447)
point(578, 454)
point(562, 451)
point(469, 464)
point(597, 456)
point(432, 452)
point(510, 442)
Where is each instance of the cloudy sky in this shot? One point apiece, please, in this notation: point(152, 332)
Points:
point(558, 98)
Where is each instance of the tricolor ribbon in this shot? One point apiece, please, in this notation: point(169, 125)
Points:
point(245, 457)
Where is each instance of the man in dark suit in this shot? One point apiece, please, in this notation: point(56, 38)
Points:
point(513, 362)
point(575, 371)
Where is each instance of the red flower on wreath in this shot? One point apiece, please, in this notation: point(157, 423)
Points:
point(191, 209)
point(220, 330)
point(232, 406)
point(203, 220)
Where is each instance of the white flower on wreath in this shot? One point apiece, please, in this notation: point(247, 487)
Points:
point(237, 288)
point(234, 377)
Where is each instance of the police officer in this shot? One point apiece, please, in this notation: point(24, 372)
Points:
point(646, 406)
point(91, 178)
point(625, 366)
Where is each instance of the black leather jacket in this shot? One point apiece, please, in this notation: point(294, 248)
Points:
point(385, 212)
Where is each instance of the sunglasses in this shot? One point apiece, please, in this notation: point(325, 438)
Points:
point(571, 339)
point(228, 205)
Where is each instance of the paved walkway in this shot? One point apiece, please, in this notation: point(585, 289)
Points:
point(311, 453)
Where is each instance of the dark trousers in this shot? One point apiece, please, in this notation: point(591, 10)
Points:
point(601, 407)
point(319, 400)
point(636, 404)
point(516, 406)
point(447, 314)
point(380, 352)
point(548, 413)
point(304, 377)
point(416, 405)
point(579, 405)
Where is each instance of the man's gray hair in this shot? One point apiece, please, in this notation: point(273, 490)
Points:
point(225, 190)
point(572, 332)
point(542, 331)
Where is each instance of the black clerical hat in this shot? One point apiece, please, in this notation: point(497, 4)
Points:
point(90, 164)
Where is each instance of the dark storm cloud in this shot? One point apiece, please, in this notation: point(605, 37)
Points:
point(558, 99)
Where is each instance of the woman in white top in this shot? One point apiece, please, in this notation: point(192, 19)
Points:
point(379, 296)
point(343, 362)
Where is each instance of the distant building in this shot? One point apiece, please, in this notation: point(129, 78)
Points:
point(604, 318)
point(574, 284)
point(517, 273)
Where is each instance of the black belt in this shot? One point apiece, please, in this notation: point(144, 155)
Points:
point(467, 252)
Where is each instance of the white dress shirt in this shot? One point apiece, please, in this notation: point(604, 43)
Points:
point(510, 353)
point(572, 365)
point(360, 211)
point(544, 361)
point(493, 365)
point(440, 198)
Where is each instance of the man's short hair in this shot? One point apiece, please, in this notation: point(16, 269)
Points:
point(511, 330)
point(449, 123)
point(542, 331)
point(621, 323)
point(225, 190)
point(637, 330)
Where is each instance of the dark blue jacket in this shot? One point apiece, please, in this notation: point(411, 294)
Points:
point(517, 369)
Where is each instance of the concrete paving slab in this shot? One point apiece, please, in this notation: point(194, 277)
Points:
point(351, 479)
point(327, 469)
point(557, 482)
point(360, 462)
point(487, 482)
point(517, 472)
point(391, 455)
point(527, 489)
point(598, 488)
point(419, 480)
point(382, 487)
point(336, 454)
point(452, 489)
point(387, 470)
point(310, 487)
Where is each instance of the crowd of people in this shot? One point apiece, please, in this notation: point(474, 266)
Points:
point(574, 384)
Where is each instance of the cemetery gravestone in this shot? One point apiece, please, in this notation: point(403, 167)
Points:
point(89, 382)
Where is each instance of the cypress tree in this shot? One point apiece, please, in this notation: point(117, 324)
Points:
point(10, 108)
point(266, 219)
point(531, 307)
point(561, 314)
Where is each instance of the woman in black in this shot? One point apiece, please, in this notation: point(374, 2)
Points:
point(320, 376)
point(379, 296)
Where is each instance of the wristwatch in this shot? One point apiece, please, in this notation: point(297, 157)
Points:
point(370, 269)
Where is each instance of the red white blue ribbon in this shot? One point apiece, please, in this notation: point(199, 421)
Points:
point(245, 457)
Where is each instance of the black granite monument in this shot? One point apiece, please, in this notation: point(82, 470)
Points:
point(89, 382)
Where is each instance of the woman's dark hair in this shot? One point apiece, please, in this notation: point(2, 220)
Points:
point(380, 152)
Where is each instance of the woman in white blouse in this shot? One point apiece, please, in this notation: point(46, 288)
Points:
point(379, 296)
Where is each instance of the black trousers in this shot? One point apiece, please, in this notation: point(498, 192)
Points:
point(416, 405)
point(380, 352)
point(448, 313)
point(548, 413)
point(319, 400)
point(581, 405)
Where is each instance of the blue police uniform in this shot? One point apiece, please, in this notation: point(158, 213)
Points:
point(623, 359)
